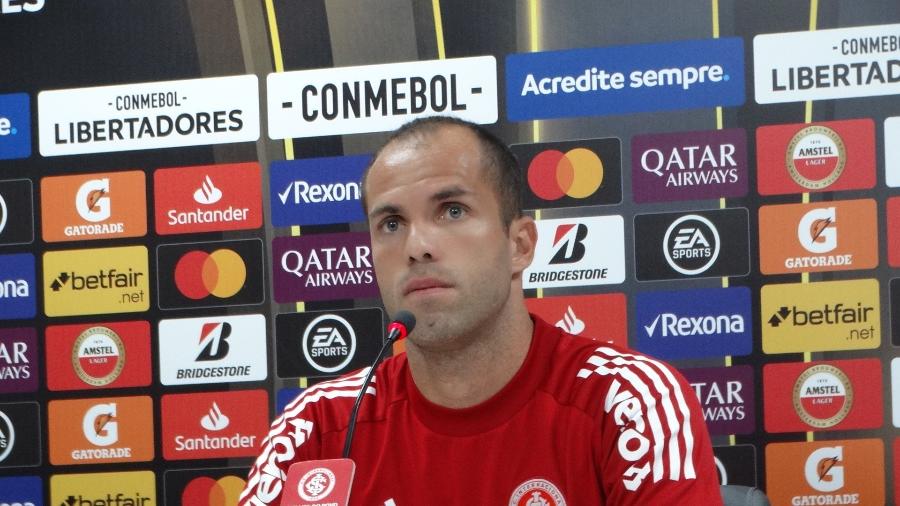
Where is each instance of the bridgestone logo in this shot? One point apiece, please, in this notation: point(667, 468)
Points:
point(573, 275)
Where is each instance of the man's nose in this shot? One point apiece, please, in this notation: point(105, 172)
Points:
point(420, 245)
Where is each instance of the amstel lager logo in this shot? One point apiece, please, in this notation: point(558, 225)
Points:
point(823, 396)
point(98, 356)
point(816, 157)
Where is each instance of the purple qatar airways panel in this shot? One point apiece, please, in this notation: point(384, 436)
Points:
point(18, 361)
point(689, 165)
point(323, 267)
point(726, 397)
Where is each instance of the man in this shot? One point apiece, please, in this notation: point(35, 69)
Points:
point(488, 406)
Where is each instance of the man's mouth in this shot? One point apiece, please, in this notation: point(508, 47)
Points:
point(423, 285)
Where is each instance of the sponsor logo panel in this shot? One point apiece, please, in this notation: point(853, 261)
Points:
point(20, 434)
point(598, 316)
point(895, 391)
point(133, 488)
point(896, 460)
point(101, 430)
point(816, 157)
point(17, 286)
point(893, 231)
point(165, 114)
point(578, 252)
point(892, 151)
point(835, 395)
point(205, 487)
point(210, 274)
point(822, 316)
point(826, 472)
point(624, 79)
point(698, 244)
point(826, 64)
point(15, 126)
point(726, 397)
point(18, 360)
point(323, 267)
point(572, 173)
point(317, 191)
point(21, 491)
point(94, 206)
point(214, 424)
point(90, 356)
point(895, 311)
point(689, 165)
point(96, 281)
point(704, 322)
point(736, 465)
point(208, 198)
point(327, 343)
point(337, 101)
point(16, 212)
point(212, 350)
point(832, 236)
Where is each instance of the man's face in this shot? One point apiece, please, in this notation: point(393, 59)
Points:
point(440, 248)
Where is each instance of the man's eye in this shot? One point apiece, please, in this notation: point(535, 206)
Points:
point(390, 224)
point(455, 211)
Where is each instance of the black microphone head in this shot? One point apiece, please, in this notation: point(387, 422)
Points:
point(405, 318)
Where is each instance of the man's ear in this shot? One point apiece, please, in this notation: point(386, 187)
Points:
point(522, 240)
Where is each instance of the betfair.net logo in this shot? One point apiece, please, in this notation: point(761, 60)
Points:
point(119, 499)
point(111, 278)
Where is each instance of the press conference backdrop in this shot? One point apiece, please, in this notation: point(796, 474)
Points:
point(182, 249)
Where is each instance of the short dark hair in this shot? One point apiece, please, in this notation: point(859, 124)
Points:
point(502, 167)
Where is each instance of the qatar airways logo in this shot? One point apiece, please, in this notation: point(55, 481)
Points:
point(323, 267)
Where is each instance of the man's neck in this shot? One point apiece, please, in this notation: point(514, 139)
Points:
point(470, 375)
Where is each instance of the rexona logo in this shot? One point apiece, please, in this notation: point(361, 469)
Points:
point(838, 63)
point(825, 472)
point(93, 206)
point(689, 165)
point(208, 198)
point(323, 267)
point(134, 488)
point(205, 487)
point(893, 231)
point(726, 397)
point(21, 491)
point(892, 151)
point(695, 245)
point(823, 316)
point(317, 191)
point(91, 431)
point(832, 236)
point(15, 126)
point(20, 435)
point(601, 316)
point(214, 424)
point(562, 259)
point(210, 274)
point(17, 286)
point(816, 157)
point(212, 350)
point(98, 355)
point(736, 465)
point(672, 324)
point(96, 281)
point(378, 98)
point(327, 343)
point(625, 79)
point(572, 173)
point(166, 114)
point(16, 212)
point(836, 395)
point(18, 360)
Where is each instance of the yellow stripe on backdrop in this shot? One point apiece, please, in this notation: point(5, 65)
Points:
point(804, 277)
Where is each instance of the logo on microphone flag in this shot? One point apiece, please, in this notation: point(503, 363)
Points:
point(314, 481)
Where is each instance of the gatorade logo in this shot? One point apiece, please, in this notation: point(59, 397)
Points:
point(221, 274)
point(92, 200)
point(576, 173)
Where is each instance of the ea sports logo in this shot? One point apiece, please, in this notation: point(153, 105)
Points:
point(316, 484)
point(823, 396)
point(691, 244)
point(815, 157)
point(553, 174)
point(199, 274)
point(7, 436)
point(329, 343)
point(98, 356)
point(4, 214)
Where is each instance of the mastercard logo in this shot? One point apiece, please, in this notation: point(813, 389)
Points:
point(199, 274)
point(205, 491)
point(577, 173)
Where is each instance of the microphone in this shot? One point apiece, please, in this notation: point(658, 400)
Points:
point(399, 328)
